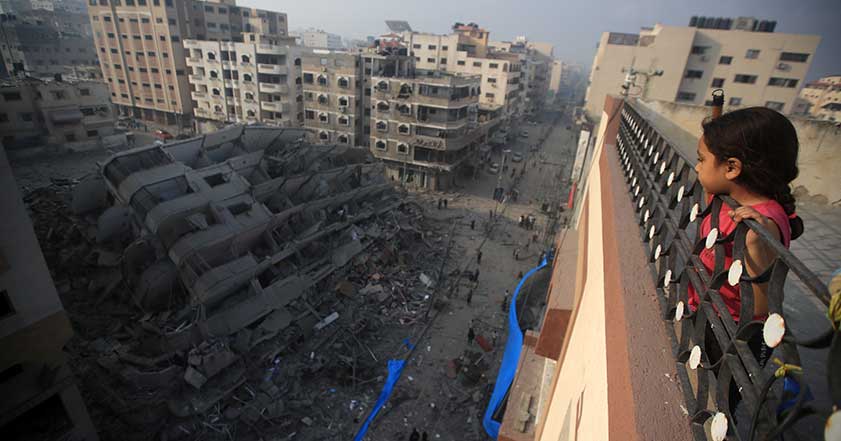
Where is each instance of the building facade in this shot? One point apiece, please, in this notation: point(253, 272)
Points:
point(35, 112)
point(319, 39)
point(243, 82)
point(685, 64)
point(468, 51)
point(332, 97)
point(142, 54)
point(821, 99)
point(33, 331)
point(42, 43)
point(424, 124)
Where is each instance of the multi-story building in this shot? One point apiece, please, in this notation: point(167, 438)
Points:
point(685, 64)
point(34, 112)
point(42, 43)
point(821, 99)
point(332, 97)
point(141, 49)
point(319, 39)
point(243, 82)
point(467, 51)
point(424, 123)
point(34, 328)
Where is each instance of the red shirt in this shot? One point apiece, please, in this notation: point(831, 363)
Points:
point(730, 294)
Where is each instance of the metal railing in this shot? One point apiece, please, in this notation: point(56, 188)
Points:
point(670, 204)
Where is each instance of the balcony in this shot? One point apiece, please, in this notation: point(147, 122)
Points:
point(195, 78)
point(198, 95)
point(277, 106)
point(282, 89)
point(275, 69)
point(634, 234)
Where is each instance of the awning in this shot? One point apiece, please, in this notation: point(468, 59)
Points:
point(66, 116)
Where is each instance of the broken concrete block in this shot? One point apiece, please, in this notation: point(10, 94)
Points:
point(326, 321)
point(345, 288)
point(371, 289)
point(307, 420)
point(426, 280)
point(194, 378)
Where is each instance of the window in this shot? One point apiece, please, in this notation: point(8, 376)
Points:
point(91, 133)
point(106, 18)
point(343, 120)
point(403, 129)
point(163, 37)
point(752, 54)
point(84, 92)
point(746, 79)
point(725, 60)
point(208, 9)
point(493, 66)
point(322, 80)
point(489, 95)
point(782, 82)
point(717, 82)
point(735, 101)
point(477, 64)
point(443, 48)
point(382, 126)
point(309, 114)
point(491, 80)
point(343, 82)
point(6, 308)
point(70, 137)
point(775, 105)
point(430, 60)
point(460, 62)
point(794, 57)
point(323, 118)
point(403, 149)
point(686, 96)
point(416, 46)
point(699, 50)
point(380, 144)
point(431, 47)
point(694, 74)
point(144, 20)
point(443, 61)
point(111, 35)
point(246, 78)
point(309, 78)
point(26, 116)
point(171, 21)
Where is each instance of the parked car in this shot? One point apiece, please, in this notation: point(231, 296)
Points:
point(494, 168)
point(517, 157)
point(524, 134)
point(163, 135)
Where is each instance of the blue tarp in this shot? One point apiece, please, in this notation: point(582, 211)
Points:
point(510, 358)
point(395, 368)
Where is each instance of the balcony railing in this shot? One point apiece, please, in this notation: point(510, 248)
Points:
point(272, 69)
point(670, 204)
point(274, 88)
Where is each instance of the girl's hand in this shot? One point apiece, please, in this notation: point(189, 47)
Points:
point(743, 213)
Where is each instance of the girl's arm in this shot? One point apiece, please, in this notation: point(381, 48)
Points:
point(758, 254)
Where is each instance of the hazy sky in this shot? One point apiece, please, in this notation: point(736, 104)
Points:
point(573, 27)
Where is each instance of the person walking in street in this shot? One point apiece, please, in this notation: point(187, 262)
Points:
point(470, 296)
point(479, 258)
point(540, 258)
point(516, 254)
point(471, 334)
point(445, 203)
point(494, 338)
point(505, 302)
point(521, 220)
point(472, 224)
point(439, 204)
point(519, 275)
point(415, 436)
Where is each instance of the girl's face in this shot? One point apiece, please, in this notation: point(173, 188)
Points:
point(713, 174)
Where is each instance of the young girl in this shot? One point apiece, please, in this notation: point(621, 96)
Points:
point(750, 155)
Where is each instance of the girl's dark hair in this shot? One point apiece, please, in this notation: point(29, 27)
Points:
point(766, 143)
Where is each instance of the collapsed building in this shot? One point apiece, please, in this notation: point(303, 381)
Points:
point(228, 241)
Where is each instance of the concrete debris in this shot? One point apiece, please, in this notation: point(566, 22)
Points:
point(326, 321)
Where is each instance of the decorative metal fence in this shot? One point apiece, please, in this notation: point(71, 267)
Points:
point(715, 361)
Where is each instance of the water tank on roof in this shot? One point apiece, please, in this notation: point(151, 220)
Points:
point(693, 21)
point(728, 23)
point(717, 23)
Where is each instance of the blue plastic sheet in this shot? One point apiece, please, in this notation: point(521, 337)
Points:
point(395, 368)
point(510, 358)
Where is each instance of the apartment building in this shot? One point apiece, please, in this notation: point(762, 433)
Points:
point(319, 39)
point(424, 124)
point(821, 99)
point(35, 112)
point(468, 51)
point(41, 44)
point(36, 383)
point(332, 97)
point(243, 82)
point(142, 54)
point(754, 65)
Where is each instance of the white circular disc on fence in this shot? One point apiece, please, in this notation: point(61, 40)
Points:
point(651, 232)
point(718, 428)
point(632, 173)
point(667, 279)
point(693, 213)
point(656, 157)
point(734, 273)
point(680, 193)
point(642, 201)
point(671, 179)
point(711, 238)
point(645, 216)
point(662, 167)
point(657, 252)
point(695, 357)
point(636, 190)
point(774, 330)
point(634, 182)
point(832, 430)
point(651, 149)
point(679, 311)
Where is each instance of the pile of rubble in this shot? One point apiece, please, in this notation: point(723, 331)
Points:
point(257, 291)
